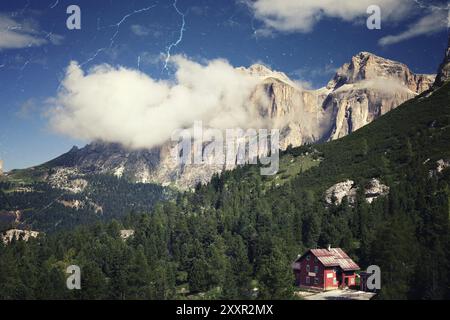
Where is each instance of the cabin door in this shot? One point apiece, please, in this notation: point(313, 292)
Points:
point(339, 277)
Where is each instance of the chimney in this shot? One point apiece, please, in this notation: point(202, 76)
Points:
point(329, 247)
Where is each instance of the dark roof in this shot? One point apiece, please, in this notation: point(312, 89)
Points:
point(333, 257)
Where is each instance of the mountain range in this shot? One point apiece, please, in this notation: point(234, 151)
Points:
point(360, 92)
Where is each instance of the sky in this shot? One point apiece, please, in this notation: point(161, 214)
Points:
point(61, 87)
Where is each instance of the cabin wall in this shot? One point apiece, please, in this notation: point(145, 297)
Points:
point(309, 277)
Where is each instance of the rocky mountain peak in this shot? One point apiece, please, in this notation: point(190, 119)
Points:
point(444, 69)
point(264, 72)
point(366, 66)
point(74, 149)
point(260, 69)
point(365, 54)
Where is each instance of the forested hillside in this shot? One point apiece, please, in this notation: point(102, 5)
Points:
point(41, 206)
point(243, 230)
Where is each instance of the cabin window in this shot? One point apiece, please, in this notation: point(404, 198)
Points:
point(316, 260)
point(307, 280)
point(316, 280)
point(307, 268)
point(316, 269)
point(307, 257)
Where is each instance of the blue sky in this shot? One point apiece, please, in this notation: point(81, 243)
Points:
point(37, 47)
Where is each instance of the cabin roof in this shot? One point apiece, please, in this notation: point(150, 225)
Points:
point(333, 257)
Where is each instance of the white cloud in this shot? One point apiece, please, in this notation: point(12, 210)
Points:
point(129, 107)
point(385, 85)
point(302, 15)
point(15, 34)
point(435, 21)
point(140, 30)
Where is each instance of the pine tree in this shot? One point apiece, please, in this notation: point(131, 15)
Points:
point(275, 276)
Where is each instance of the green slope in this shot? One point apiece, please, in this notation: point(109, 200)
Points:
point(419, 127)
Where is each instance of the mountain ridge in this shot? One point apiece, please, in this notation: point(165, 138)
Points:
point(354, 97)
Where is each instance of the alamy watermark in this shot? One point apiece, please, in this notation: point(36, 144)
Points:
point(374, 280)
point(73, 22)
point(73, 282)
point(374, 19)
point(229, 147)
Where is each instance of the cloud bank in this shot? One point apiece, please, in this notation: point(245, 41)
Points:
point(129, 107)
point(302, 15)
point(434, 22)
point(15, 34)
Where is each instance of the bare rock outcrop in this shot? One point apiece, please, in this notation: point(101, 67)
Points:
point(441, 165)
point(375, 189)
point(18, 234)
point(336, 193)
point(82, 204)
point(67, 178)
point(126, 234)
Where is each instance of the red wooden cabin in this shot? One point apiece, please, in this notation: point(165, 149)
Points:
point(325, 269)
